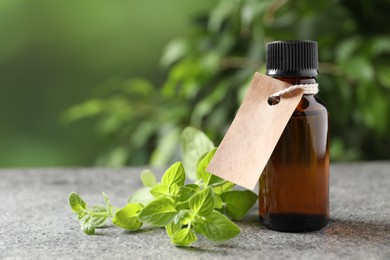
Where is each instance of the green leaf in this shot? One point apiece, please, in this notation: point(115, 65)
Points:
point(87, 225)
point(175, 174)
point(194, 144)
point(159, 212)
point(184, 237)
point(142, 196)
point(127, 217)
point(77, 204)
point(109, 207)
point(223, 187)
point(203, 162)
point(217, 227)
point(106, 198)
point(185, 193)
point(160, 190)
point(203, 174)
point(202, 203)
point(99, 215)
point(238, 203)
point(172, 228)
point(148, 178)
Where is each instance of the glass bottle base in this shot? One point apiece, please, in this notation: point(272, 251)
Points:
point(295, 222)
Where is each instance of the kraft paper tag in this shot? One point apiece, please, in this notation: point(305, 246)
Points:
point(254, 132)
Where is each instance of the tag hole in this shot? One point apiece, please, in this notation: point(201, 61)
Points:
point(273, 100)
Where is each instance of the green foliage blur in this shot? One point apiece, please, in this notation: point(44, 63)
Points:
point(54, 54)
point(210, 70)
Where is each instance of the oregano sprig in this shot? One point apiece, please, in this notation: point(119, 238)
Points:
point(93, 217)
point(184, 210)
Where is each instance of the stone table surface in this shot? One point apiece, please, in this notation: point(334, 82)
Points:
point(36, 221)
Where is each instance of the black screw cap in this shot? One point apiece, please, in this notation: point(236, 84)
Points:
point(292, 59)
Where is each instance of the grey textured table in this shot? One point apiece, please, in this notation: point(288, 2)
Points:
point(36, 222)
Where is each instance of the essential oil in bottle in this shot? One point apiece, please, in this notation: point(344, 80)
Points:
point(294, 189)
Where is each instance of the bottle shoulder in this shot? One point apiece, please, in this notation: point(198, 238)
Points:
point(310, 105)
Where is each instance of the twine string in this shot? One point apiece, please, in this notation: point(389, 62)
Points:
point(310, 89)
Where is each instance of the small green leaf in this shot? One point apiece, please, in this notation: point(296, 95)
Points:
point(99, 215)
point(77, 204)
point(202, 203)
point(106, 199)
point(238, 203)
point(142, 196)
point(203, 174)
point(217, 227)
point(194, 144)
point(86, 225)
point(109, 207)
point(184, 237)
point(88, 229)
point(203, 162)
point(175, 174)
point(127, 217)
point(223, 187)
point(160, 190)
point(159, 212)
point(185, 193)
point(172, 228)
point(148, 178)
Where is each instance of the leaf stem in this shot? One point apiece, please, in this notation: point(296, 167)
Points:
point(102, 214)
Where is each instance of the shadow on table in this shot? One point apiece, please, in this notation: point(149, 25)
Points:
point(143, 230)
point(359, 230)
point(338, 232)
point(344, 228)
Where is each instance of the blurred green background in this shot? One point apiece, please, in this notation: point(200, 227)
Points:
point(113, 83)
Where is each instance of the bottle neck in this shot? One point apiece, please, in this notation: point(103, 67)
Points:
point(298, 80)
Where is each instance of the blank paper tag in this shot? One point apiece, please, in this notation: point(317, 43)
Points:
point(254, 132)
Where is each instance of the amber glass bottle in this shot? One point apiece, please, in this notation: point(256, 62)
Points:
point(294, 191)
